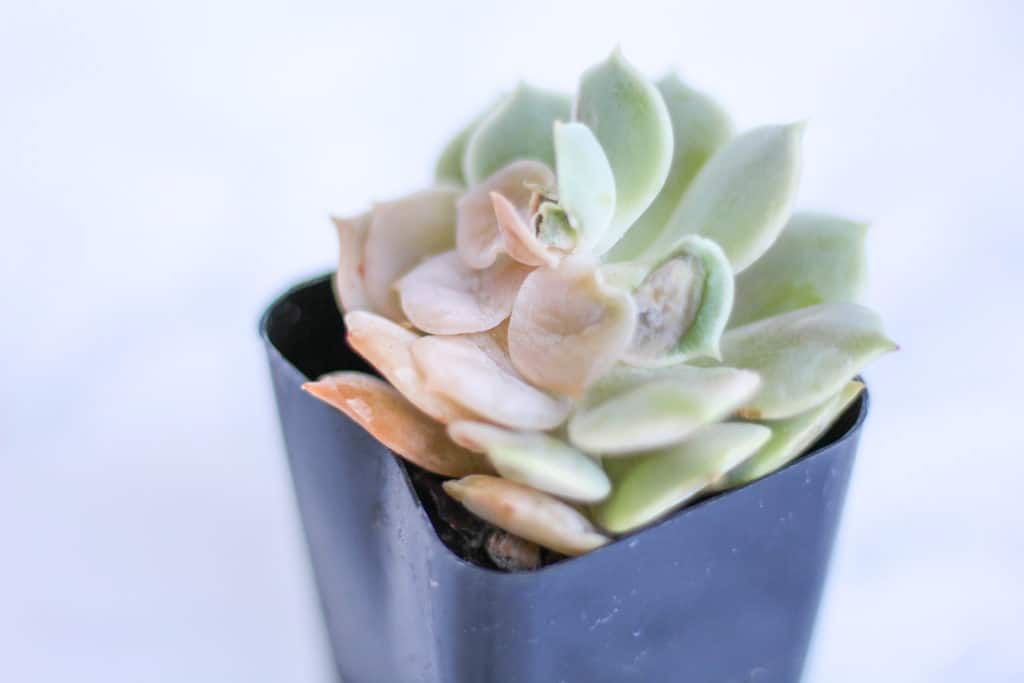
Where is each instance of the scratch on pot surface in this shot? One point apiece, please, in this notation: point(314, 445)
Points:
point(601, 621)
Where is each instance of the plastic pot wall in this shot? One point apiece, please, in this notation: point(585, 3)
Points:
point(725, 591)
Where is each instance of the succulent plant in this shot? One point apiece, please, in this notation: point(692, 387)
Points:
point(602, 311)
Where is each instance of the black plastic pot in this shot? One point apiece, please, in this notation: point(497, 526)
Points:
point(725, 591)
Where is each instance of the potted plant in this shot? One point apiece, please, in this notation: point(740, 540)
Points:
point(600, 345)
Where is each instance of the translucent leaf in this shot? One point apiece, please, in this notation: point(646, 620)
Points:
point(448, 169)
point(385, 345)
point(396, 423)
point(683, 305)
point(586, 186)
point(632, 409)
point(741, 198)
point(347, 283)
point(804, 356)
point(792, 436)
point(518, 128)
point(628, 116)
point(527, 513)
point(536, 460)
point(474, 372)
point(444, 296)
point(568, 328)
point(817, 259)
point(699, 128)
point(520, 236)
point(402, 233)
point(479, 236)
point(652, 485)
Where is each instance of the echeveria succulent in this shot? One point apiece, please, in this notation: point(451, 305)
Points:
point(602, 311)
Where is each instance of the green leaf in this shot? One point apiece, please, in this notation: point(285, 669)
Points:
point(536, 460)
point(699, 127)
point(817, 259)
point(628, 117)
point(652, 485)
point(526, 513)
point(741, 198)
point(632, 410)
point(683, 305)
point(448, 168)
point(804, 356)
point(792, 436)
point(518, 128)
point(586, 186)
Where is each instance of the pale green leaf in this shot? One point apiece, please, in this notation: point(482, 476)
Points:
point(650, 486)
point(804, 356)
point(683, 305)
point(527, 513)
point(699, 127)
point(632, 409)
point(817, 259)
point(586, 186)
point(536, 460)
point(518, 128)
point(742, 196)
point(629, 119)
point(448, 169)
point(792, 436)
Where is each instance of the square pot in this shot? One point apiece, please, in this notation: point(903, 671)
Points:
point(724, 591)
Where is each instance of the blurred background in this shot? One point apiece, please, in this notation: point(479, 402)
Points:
point(166, 168)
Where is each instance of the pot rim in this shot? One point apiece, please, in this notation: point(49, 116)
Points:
point(703, 506)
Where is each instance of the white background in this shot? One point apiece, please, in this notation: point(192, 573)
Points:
point(166, 168)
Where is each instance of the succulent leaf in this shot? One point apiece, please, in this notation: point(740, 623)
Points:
point(568, 328)
point(522, 241)
point(683, 305)
point(792, 436)
point(386, 346)
point(633, 410)
point(518, 128)
point(448, 169)
point(379, 409)
point(482, 233)
point(741, 197)
point(444, 296)
point(527, 513)
point(628, 117)
point(474, 371)
point(347, 282)
point(402, 233)
point(699, 128)
point(804, 356)
point(586, 185)
point(817, 259)
point(536, 460)
point(652, 485)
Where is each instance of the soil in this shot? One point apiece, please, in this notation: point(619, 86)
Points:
point(468, 536)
